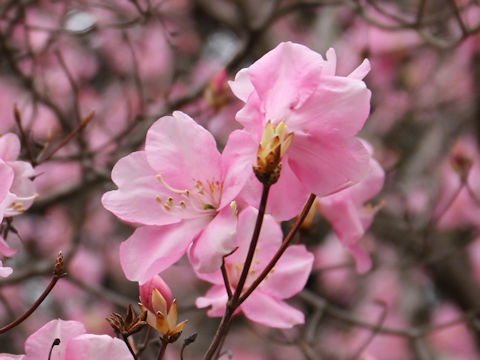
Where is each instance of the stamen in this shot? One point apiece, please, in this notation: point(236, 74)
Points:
point(164, 183)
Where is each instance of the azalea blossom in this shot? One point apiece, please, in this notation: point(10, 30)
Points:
point(162, 311)
point(17, 191)
point(179, 190)
point(349, 214)
point(304, 118)
point(74, 344)
point(266, 304)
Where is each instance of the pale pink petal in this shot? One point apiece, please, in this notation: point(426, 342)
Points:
point(39, 343)
point(23, 186)
point(97, 347)
point(182, 151)
point(286, 198)
point(330, 66)
point(216, 297)
point(242, 86)
point(6, 179)
point(326, 165)
point(339, 105)
point(6, 250)
point(12, 357)
point(363, 191)
point(285, 78)
point(362, 258)
point(5, 271)
point(9, 147)
point(252, 116)
point(152, 249)
point(266, 310)
point(136, 199)
point(361, 71)
point(345, 219)
point(217, 240)
point(238, 159)
point(269, 240)
point(290, 274)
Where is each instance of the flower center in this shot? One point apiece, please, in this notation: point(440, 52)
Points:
point(202, 197)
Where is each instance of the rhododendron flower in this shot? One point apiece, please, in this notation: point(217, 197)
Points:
point(350, 216)
point(74, 344)
point(265, 305)
point(162, 310)
point(179, 190)
point(306, 117)
point(17, 190)
point(22, 187)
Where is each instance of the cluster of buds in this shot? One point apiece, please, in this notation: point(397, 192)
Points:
point(162, 312)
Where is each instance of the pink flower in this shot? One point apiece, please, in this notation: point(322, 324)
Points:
point(17, 190)
point(162, 310)
point(265, 305)
point(350, 216)
point(179, 190)
point(22, 188)
point(296, 105)
point(74, 344)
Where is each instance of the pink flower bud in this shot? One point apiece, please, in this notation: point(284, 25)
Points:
point(146, 293)
point(162, 311)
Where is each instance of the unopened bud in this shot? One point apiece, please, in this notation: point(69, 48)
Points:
point(161, 308)
point(275, 141)
point(461, 161)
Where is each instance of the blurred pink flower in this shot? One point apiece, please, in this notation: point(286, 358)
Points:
point(179, 190)
point(464, 211)
point(350, 216)
point(314, 115)
point(265, 305)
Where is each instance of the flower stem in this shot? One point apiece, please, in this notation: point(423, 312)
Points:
point(253, 246)
point(286, 242)
point(57, 275)
point(233, 302)
point(163, 349)
point(129, 346)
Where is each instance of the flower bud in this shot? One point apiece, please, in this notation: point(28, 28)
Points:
point(461, 161)
point(162, 312)
point(146, 292)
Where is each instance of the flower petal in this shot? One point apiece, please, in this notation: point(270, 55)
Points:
point(266, 310)
point(216, 297)
point(152, 249)
point(97, 347)
point(217, 240)
point(136, 199)
point(9, 147)
point(327, 164)
point(38, 345)
point(290, 274)
point(339, 104)
point(238, 159)
point(182, 151)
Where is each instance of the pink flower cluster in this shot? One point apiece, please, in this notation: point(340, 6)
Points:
point(300, 123)
point(17, 191)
